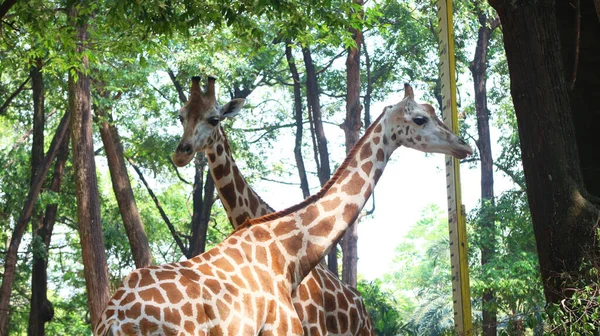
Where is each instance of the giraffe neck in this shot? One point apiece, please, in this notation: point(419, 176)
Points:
point(306, 232)
point(239, 199)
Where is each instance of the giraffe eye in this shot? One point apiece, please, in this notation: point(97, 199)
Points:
point(420, 120)
point(213, 121)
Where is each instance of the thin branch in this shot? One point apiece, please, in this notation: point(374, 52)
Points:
point(510, 174)
point(12, 96)
point(268, 128)
point(11, 25)
point(160, 93)
point(177, 172)
point(330, 62)
point(333, 96)
point(177, 85)
point(282, 82)
point(160, 209)
point(280, 182)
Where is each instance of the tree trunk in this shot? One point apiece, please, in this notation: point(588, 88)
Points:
point(564, 218)
point(324, 172)
point(38, 294)
point(487, 228)
point(41, 308)
point(37, 87)
point(140, 248)
point(21, 224)
point(581, 61)
point(86, 184)
point(203, 201)
point(367, 99)
point(351, 127)
point(298, 117)
point(312, 93)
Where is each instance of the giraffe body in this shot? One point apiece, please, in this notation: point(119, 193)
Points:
point(325, 305)
point(268, 257)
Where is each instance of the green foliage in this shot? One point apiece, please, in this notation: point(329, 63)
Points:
point(421, 274)
point(513, 273)
point(579, 314)
point(381, 305)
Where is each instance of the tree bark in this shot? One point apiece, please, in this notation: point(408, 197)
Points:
point(178, 87)
point(564, 217)
point(367, 99)
point(11, 254)
point(312, 92)
point(351, 127)
point(140, 248)
point(579, 28)
point(42, 310)
point(37, 86)
point(298, 117)
point(202, 206)
point(487, 228)
point(38, 294)
point(323, 169)
point(86, 184)
point(5, 7)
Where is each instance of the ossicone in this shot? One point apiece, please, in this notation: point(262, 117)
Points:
point(210, 88)
point(408, 91)
point(196, 84)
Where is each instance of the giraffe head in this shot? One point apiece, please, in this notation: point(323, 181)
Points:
point(416, 126)
point(201, 117)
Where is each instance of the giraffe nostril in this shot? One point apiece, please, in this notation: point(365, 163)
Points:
point(185, 148)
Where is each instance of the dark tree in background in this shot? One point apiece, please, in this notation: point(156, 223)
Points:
point(487, 227)
point(553, 54)
point(319, 139)
point(351, 127)
point(138, 241)
point(86, 184)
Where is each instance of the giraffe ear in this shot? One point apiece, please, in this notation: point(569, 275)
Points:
point(232, 108)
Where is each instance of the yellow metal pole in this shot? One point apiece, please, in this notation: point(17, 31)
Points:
point(456, 213)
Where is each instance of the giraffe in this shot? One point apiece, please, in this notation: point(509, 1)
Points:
point(243, 286)
point(324, 304)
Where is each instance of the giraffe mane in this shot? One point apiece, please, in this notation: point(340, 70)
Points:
point(324, 189)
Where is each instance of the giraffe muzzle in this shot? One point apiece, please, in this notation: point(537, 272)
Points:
point(184, 149)
point(462, 150)
point(183, 154)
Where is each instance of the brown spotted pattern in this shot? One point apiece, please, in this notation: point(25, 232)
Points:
point(241, 202)
point(245, 284)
